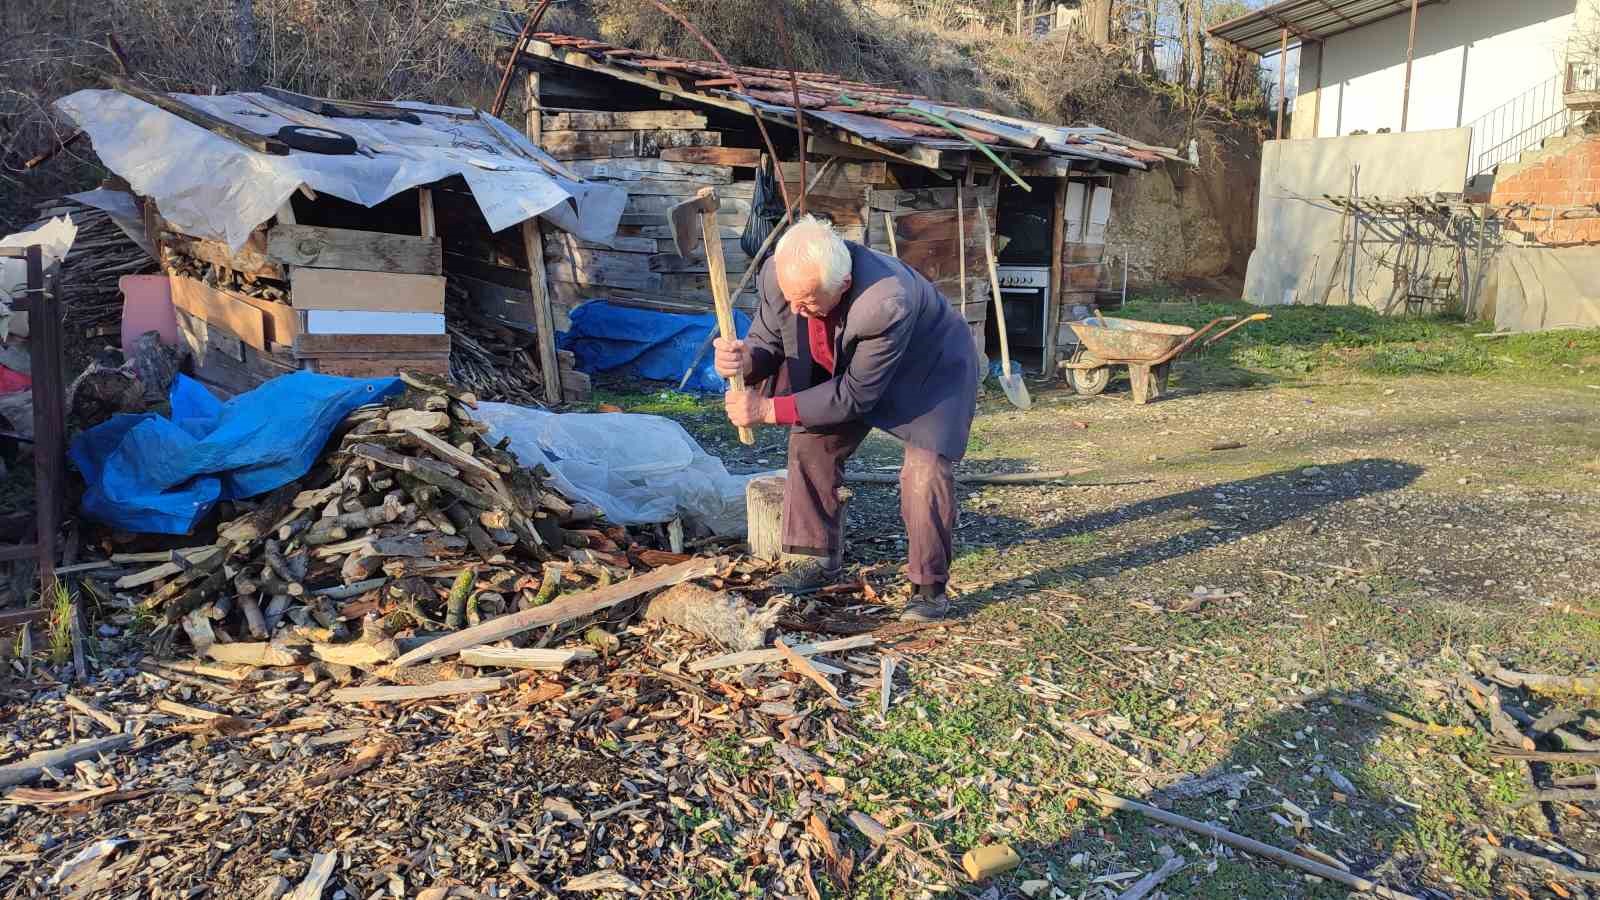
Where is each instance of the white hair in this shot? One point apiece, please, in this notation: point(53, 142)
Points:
point(813, 244)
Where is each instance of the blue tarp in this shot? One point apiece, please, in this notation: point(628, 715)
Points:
point(148, 473)
point(655, 345)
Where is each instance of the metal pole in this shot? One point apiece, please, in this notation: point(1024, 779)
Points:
point(1355, 234)
point(49, 428)
point(1283, 71)
point(1411, 46)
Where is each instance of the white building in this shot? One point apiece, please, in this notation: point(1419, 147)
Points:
point(1507, 69)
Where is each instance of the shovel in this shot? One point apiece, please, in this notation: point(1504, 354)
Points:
point(1016, 391)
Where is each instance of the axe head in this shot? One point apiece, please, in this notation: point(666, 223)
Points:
point(686, 219)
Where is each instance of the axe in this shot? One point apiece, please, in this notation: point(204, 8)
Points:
point(694, 221)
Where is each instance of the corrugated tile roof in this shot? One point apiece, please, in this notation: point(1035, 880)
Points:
point(876, 114)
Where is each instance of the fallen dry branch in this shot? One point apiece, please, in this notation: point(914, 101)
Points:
point(1403, 721)
point(565, 609)
point(33, 766)
point(1560, 795)
point(758, 657)
point(1575, 757)
point(1248, 845)
point(1547, 866)
point(1554, 685)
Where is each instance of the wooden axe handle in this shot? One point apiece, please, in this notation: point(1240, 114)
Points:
point(711, 234)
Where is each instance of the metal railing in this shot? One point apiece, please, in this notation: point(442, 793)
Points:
point(1519, 124)
point(1582, 75)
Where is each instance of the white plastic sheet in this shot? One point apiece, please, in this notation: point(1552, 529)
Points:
point(212, 187)
point(54, 238)
point(638, 469)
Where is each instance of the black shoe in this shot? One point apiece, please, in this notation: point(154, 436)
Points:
point(808, 574)
point(924, 608)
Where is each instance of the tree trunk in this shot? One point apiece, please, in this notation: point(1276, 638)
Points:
point(1147, 50)
point(244, 17)
point(1097, 20)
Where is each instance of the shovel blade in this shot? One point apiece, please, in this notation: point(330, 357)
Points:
point(1016, 391)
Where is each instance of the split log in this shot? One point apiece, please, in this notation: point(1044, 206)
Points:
point(401, 693)
point(33, 766)
point(565, 609)
point(253, 619)
point(510, 658)
point(720, 616)
point(256, 653)
point(260, 521)
point(758, 657)
point(358, 654)
point(1248, 845)
point(402, 420)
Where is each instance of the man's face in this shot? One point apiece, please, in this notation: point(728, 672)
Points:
point(803, 289)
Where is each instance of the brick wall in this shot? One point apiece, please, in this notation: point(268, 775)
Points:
point(1565, 174)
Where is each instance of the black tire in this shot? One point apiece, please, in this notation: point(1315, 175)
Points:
point(317, 140)
point(1088, 382)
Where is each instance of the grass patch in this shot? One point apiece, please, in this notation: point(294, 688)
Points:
point(60, 630)
point(1300, 340)
point(658, 403)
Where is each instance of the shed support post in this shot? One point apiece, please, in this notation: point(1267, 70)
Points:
point(49, 423)
point(1058, 279)
point(1411, 47)
point(535, 121)
point(1283, 72)
point(544, 315)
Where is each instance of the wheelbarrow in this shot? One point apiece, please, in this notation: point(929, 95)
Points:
point(1146, 348)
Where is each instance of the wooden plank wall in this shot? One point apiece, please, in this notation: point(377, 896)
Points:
point(1083, 251)
point(925, 223)
point(641, 266)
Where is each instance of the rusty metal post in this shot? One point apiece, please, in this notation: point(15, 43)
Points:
point(1411, 47)
point(1283, 73)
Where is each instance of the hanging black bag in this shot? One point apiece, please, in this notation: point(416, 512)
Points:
point(766, 211)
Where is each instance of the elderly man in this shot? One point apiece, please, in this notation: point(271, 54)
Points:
point(849, 339)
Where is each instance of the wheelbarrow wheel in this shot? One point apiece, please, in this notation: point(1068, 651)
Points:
point(1088, 382)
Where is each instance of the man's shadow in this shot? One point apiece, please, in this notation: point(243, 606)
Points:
point(1247, 507)
point(1306, 780)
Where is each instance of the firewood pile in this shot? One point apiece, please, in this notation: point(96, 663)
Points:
point(407, 495)
point(418, 671)
point(101, 254)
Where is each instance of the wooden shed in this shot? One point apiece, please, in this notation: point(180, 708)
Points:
point(899, 172)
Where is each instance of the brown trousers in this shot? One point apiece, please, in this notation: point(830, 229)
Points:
point(811, 507)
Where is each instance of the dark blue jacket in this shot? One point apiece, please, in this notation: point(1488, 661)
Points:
point(904, 357)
